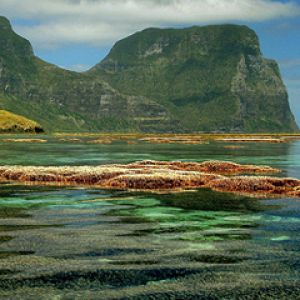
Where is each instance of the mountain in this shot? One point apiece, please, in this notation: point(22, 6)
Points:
point(10, 122)
point(208, 78)
point(63, 100)
point(211, 78)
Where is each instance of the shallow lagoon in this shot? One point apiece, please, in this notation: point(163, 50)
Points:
point(68, 243)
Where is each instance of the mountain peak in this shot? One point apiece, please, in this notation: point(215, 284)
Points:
point(210, 78)
point(5, 24)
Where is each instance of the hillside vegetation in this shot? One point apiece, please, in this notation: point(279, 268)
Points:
point(10, 122)
point(198, 79)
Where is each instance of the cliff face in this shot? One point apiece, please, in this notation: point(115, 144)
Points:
point(198, 79)
point(210, 78)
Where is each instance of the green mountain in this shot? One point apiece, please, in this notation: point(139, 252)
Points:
point(59, 99)
point(210, 78)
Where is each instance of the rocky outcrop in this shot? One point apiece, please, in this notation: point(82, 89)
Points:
point(160, 176)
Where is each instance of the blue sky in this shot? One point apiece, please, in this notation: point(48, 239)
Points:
point(76, 34)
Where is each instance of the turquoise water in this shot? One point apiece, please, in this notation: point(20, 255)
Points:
point(71, 243)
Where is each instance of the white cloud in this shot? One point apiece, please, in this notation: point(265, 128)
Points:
point(100, 22)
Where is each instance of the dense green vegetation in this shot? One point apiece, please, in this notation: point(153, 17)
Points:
point(210, 78)
point(173, 80)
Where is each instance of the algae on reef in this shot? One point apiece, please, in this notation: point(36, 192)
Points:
point(160, 176)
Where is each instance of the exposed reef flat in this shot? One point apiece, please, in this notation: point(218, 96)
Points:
point(192, 139)
point(258, 185)
point(70, 140)
point(175, 140)
point(252, 140)
point(161, 176)
point(105, 141)
point(24, 141)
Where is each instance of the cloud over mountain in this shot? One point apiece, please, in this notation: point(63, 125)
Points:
point(54, 23)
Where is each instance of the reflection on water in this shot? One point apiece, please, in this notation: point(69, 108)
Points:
point(67, 243)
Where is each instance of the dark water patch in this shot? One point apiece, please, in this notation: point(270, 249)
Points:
point(276, 291)
point(134, 262)
point(134, 220)
point(174, 295)
point(115, 252)
point(5, 238)
point(228, 236)
point(207, 200)
point(13, 212)
point(98, 279)
point(4, 272)
point(215, 259)
point(214, 237)
point(162, 230)
point(4, 228)
point(192, 229)
point(106, 253)
point(17, 190)
point(136, 233)
point(6, 254)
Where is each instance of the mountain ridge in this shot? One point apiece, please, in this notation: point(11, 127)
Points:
point(137, 91)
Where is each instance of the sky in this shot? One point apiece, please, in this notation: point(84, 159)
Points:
point(77, 34)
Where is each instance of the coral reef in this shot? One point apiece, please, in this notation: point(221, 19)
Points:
point(188, 140)
point(24, 141)
point(251, 140)
point(161, 175)
point(258, 185)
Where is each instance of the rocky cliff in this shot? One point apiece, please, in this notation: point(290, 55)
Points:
point(197, 79)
